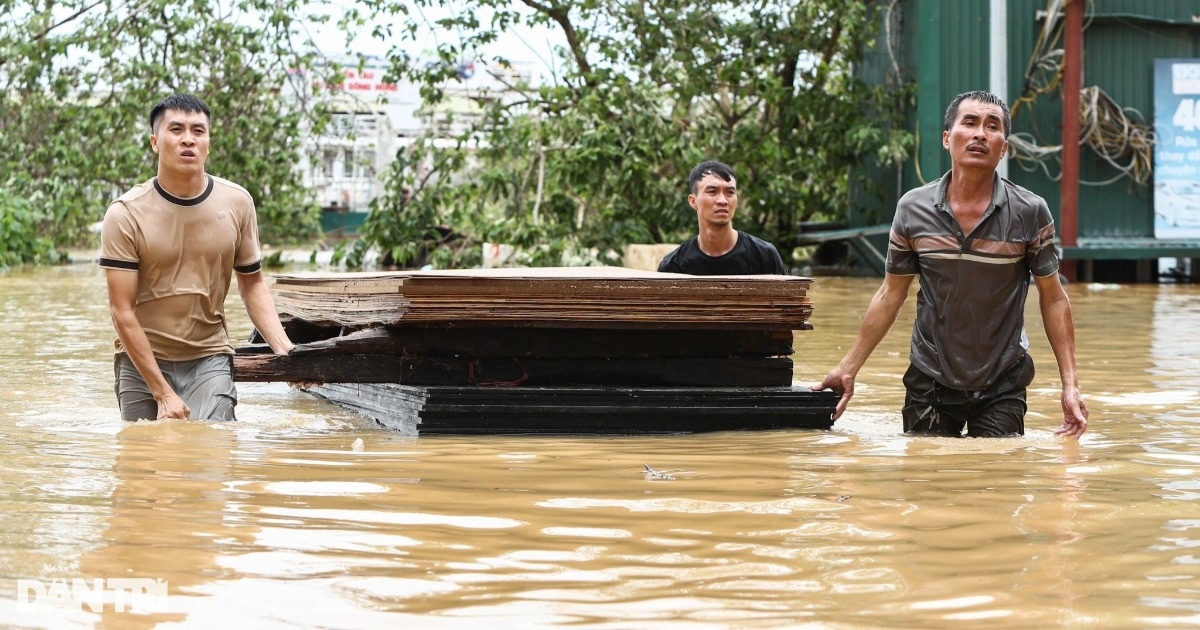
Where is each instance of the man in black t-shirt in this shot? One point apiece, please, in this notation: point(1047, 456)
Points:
point(719, 249)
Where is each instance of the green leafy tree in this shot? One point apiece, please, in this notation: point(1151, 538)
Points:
point(21, 219)
point(597, 156)
point(78, 77)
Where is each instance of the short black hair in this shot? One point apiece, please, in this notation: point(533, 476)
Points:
point(709, 167)
point(982, 96)
point(178, 102)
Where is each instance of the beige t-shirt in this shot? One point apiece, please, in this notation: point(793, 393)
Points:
point(184, 252)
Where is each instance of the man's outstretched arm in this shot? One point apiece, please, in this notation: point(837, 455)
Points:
point(260, 306)
point(881, 315)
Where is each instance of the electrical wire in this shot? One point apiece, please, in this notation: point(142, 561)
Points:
point(1104, 126)
point(1107, 129)
point(1029, 156)
point(1044, 70)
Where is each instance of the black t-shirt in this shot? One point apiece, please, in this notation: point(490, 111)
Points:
point(751, 256)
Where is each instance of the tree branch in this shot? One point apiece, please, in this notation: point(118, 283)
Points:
point(827, 55)
point(559, 15)
point(70, 18)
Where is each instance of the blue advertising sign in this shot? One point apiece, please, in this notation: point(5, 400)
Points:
point(1177, 148)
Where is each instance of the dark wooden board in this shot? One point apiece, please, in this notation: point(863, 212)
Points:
point(505, 371)
point(592, 410)
point(542, 342)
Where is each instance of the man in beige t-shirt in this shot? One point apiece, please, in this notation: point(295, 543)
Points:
point(169, 248)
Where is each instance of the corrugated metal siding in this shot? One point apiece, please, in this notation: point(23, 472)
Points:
point(1181, 12)
point(1119, 59)
point(1115, 60)
point(1043, 118)
point(867, 208)
point(946, 51)
point(959, 64)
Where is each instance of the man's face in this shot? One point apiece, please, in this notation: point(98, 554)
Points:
point(181, 141)
point(977, 137)
point(715, 199)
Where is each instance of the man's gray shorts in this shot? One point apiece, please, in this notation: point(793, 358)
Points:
point(206, 385)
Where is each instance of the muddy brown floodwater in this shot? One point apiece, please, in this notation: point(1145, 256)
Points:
point(279, 521)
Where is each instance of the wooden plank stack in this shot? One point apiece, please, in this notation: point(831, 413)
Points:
point(567, 345)
point(609, 297)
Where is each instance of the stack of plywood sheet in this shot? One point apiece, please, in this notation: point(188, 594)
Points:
point(609, 297)
point(546, 332)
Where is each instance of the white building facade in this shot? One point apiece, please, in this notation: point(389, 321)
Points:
point(374, 119)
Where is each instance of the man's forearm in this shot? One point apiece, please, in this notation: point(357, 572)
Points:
point(260, 306)
point(880, 317)
point(137, 346)
point(1060, 331)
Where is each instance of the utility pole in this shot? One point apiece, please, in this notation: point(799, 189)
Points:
point(1071, 83)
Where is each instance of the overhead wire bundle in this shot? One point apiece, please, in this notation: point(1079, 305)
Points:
point(1104, 126)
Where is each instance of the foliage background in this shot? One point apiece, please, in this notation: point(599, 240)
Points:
point(568, 169)
point(597, 157)
point(78, 79)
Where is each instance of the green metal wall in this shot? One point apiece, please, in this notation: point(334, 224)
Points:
point(953, 67)
point(943, 46)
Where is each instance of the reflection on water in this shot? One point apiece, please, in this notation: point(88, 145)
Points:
point(279, 521)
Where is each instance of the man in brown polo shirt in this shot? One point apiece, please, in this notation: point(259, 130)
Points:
point(169, 248)
point(975, 239)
